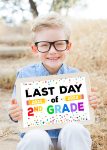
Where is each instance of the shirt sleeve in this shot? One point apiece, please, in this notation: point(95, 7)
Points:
point(18, 75)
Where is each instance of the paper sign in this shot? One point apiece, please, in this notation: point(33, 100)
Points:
point(53, 101)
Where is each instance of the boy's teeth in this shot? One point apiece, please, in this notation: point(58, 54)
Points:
point(53, 58)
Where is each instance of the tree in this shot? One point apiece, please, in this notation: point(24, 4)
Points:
point(57, 5)
point(10, 9)
point(33, 7)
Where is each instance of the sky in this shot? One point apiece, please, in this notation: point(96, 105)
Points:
point(96, 9)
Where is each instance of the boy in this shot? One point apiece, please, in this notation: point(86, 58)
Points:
point(51, 44)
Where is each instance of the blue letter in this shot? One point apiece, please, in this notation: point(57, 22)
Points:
point(57, 109)
point(65, 108)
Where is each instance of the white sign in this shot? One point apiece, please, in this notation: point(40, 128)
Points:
point(53, 101)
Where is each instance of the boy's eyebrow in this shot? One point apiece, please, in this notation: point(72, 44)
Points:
point(52, 42)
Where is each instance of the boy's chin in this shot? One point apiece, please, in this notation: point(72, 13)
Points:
point(54, 65)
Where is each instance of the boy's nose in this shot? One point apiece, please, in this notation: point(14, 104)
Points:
point(52, 49)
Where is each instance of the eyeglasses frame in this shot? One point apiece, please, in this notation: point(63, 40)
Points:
point(51, 43)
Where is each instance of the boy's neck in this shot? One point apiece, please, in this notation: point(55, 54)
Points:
point(52, 71)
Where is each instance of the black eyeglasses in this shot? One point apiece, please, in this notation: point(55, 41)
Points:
point(45, 46)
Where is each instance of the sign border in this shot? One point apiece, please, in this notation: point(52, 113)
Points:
point(61, 76)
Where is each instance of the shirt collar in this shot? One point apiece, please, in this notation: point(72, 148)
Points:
point(45, 72)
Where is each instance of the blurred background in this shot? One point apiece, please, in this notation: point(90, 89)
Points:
point(88, 19)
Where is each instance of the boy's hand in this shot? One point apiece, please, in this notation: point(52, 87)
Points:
point(93, 99)
point(15, 111)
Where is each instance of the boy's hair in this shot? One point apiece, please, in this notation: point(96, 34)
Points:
point(52, 20)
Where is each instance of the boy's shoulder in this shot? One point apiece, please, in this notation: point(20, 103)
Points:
point(69, 69)
point(38, 70)
point(28, 71)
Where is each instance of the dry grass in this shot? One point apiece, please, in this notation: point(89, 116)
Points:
point(12, 36)
point(89, 53)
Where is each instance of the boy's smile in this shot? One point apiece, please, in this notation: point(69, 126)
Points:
point(51, 59)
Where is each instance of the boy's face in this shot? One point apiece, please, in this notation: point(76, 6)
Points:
point(51, 59)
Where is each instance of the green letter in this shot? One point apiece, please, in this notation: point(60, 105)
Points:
point(50, 109)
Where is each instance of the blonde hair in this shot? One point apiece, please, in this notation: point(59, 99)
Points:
point(52, 20)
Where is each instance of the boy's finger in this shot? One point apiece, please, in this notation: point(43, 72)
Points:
point(13, 101)
point(94, 106)
point(92, 98)
point(18, 118)
point(14, 109)
point(94, 89)
point(17, 114)
point(92, 102)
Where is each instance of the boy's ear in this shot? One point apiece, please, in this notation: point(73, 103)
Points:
point(69, 46)
point(34, 48)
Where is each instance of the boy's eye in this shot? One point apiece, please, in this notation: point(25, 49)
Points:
point(60, 43)
point(43, 44)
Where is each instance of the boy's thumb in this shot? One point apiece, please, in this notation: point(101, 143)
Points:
point(13, 101)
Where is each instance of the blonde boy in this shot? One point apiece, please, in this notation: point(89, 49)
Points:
point(52, 45)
